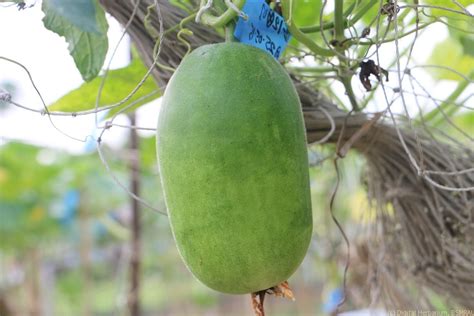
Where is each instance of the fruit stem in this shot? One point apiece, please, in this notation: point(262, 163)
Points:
point(229, 32)
point(257, 302)
point(222, 20)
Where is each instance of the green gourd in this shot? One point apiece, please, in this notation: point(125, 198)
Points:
point(233, 164)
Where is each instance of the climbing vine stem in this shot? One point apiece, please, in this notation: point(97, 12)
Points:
point(300, 36)
point(229, 32)
point(345, 72)
point(347, 22)
point(339, 20)
point(224, 19)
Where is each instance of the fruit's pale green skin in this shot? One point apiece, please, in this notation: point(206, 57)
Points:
point(232, 154)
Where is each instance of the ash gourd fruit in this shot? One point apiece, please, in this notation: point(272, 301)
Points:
point(233, 163)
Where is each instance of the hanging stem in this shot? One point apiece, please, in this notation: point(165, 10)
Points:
point(346, 73)
point(181, 24)
point(229, 32)
point(346, 81)
point(339, 20)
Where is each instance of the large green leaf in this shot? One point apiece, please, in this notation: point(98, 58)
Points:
point(80, 13)
point(448, 3)
point(465, 122)
point(87, 41)
point(462, 31)
point(467, 43)
point(371, 14)
point(450, 53)
point(307, 12)
point(119, 83)
point(439, 5)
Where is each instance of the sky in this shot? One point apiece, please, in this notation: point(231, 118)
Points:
point(45, 54)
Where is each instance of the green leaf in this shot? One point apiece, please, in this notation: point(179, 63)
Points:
point(450, 53)
point(80, 13)
point(119, 83)
point(465, 122)
point(467, 43)
point(307, 12)
point(88, 48)
point(448, 4)
point(371, 14)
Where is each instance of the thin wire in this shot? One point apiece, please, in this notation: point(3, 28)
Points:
point(440, 109)
point(117, 181)
point(80, 113)
point(331, 209)
point(332, 129)
point(46, 111)
point(429, 6)
point(462, 7)
point(152, 129)
point(446, 68)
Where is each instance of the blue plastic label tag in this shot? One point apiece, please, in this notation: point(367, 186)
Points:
point(264, 28)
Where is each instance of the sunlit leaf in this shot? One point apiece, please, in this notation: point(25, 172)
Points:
point(450, 53)
point(370, 15)
point(119, 83)
point(467, 43)
point(306, 12)
point(447, 7)
point(465, 122)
